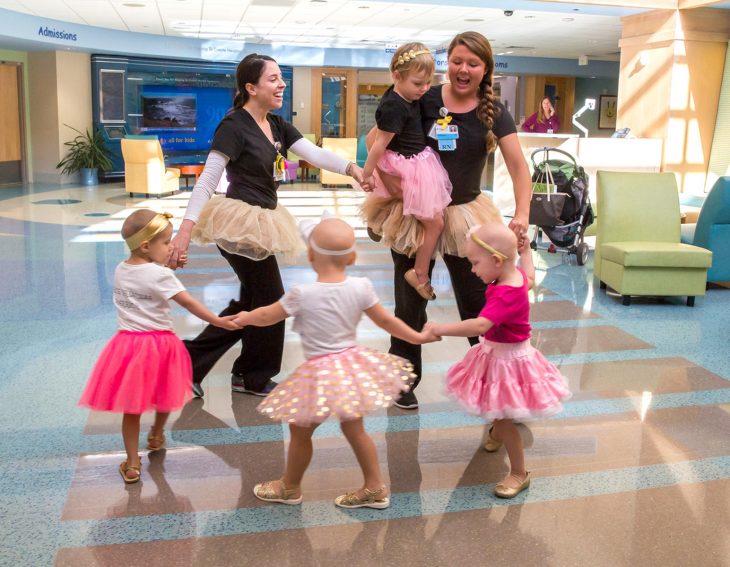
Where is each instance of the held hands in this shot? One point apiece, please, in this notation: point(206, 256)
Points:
point(178, 251)
point(228, 322)
point(430, 333)
point(355, 172)
point(518, 225)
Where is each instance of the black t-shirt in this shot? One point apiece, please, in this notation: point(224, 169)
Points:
point(250, 170)
point(466, 163)
point(395, 114)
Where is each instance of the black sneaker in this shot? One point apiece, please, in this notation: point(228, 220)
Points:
point(407, 400)
point(374, 235)
point(238, 385)
point(197, 390)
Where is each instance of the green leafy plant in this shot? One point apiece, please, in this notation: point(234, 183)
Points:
point(86, 150)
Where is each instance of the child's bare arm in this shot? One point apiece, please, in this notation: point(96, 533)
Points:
point(376, 151)
point(397, 327)
point(526, 262)
point(263, 316)
point(467, 328)
point(202, 312)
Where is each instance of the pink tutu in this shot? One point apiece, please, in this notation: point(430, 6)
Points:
point(140, 371)
point(347, 384)
point(424, 182)
point(507, 381)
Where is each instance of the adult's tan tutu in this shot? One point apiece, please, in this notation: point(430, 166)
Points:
point(248, 230)
point(404, 234)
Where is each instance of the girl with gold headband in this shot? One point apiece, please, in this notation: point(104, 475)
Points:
point(145, 366)
point(503, 378)
point(467, 102)
point(400, 150)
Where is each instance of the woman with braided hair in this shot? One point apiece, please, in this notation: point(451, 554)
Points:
point(467, 107)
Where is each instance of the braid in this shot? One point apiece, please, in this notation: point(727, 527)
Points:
point(487, 111)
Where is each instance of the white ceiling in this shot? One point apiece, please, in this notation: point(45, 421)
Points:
point(538, 30)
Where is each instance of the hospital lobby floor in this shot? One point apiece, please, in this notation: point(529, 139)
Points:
point(635, 471)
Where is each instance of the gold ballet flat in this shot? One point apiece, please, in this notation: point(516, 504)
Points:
point(372, 500)
point(492, 445)
point(508, 492)
point(424, 289)
point(268, 492)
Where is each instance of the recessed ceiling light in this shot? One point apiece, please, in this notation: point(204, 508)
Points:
point(473, 20)
point(568, 19)
point(133, 5)
point(363, 7)
point(530, 17)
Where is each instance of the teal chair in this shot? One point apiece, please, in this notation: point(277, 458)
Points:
point(638, 249)
point(712, 230)
point(362, 151)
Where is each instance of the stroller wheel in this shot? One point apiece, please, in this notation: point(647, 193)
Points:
point(581, 253)
point(533, 245)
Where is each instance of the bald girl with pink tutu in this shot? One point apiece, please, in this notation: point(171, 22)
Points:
point(503, 378)
point(339, 378)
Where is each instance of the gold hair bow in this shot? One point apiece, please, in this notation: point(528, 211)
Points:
point(487, 247)
point(409, 56)
point(157, 224)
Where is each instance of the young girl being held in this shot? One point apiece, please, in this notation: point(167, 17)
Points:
point(338, 378)
point(503, 378)
point(145, 366)
point(400, 150)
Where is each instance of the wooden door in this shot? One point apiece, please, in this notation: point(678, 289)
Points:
point(11, 136)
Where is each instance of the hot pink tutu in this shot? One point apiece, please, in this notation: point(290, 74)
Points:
point(348, 384)
point(507, 381)
point(424, 182)
point(140, 371)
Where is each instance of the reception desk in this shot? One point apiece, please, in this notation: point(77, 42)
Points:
point(593, 154)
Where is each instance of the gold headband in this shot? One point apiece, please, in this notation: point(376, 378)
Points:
point(157, 224)
point(409, 56)
point(487, 247)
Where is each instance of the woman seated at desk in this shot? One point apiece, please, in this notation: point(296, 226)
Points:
point(544, 121)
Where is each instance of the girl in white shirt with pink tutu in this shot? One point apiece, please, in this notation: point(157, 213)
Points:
point(338, 378)
point(145, 366)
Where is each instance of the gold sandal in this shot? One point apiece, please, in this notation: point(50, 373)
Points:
point(371, 500)
point(124, 467)
point(492, 445)
point(510, 492)
point(425, 290)
point(267, 492)
point(155, 442)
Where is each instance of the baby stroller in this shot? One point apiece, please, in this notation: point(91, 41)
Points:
point(560, 206)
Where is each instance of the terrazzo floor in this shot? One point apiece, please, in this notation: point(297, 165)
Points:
point(635, 470)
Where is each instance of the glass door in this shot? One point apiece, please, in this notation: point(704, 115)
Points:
point(334, 105)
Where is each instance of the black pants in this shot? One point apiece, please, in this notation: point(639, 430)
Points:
point(261, 347)
point(411, 307)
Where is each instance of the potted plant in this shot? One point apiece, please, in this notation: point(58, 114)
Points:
point(86, 154)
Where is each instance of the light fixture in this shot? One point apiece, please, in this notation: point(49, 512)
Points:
point(568, 19)
point(530, 17)
point(473, 19)
point(134, 5)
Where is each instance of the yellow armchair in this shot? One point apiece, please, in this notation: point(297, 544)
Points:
point(144, 168)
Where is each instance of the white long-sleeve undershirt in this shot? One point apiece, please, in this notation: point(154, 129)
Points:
point(216, 163)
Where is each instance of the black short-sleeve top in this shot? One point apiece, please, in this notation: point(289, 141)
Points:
point(466, 163)
point(250, 170)
point(402, 118)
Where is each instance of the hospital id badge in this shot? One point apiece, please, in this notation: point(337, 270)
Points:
point(446, 137)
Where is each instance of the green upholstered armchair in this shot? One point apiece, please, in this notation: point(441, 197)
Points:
point(712, 230)
point(638, 249)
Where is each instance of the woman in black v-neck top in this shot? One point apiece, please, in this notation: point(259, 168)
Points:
point(248, 225)
point(483, 124)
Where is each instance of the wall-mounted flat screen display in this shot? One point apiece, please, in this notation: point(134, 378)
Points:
point(162, 111)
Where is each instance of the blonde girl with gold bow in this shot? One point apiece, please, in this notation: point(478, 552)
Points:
point(400, 150)
point(503, 378)
point(145, 366)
